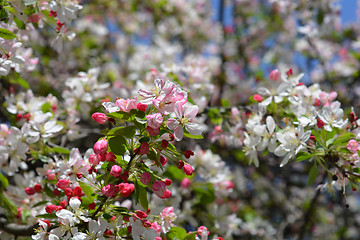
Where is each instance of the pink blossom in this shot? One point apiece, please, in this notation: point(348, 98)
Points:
point(94, 159)
point(101, 146)
point(115, 171)
point(63, 183)
point(154, 120)
point(50, 175)
point(145, 178)
point(108, 190)
point(353, 146)
point(167, 216)
point(152, 131)
point(126, 189)
point(275, 75)
point(187, 121)
point(159, 188)
point(202, 230)
point(100, 118)
point(142, 107)
point(126, 105)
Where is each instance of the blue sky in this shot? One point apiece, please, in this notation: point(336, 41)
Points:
point(348, 10)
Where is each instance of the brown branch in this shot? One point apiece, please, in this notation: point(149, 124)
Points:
point(16, 229)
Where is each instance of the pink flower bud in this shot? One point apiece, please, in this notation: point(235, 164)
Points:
point(258, 98)
point(100, 118)
point(167, 194)
point(188, 154)
point(38, 188)
point(141, 214)
point(115, 171)
point(110, 157)
point(185, 183)
point(101, 146)
point(50, 208)
point(188, 170)
point(145, 178)
point(142, 107)
point(30, 191)
point(68, 192)
point(144, 148)
point(78, 191)
point(63, 203)
point(274, 75)
point(167, 182)
point(108, 190)
point(63, 183)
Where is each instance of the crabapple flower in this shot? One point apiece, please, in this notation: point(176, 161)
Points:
point(126, 105)
point(145, 178)
point(154, 120)
point(353, 146)
point(187, 121)
point(108, 190)
point(332, 116)
point(101, 146)
point(291, 141)
point(167, 216)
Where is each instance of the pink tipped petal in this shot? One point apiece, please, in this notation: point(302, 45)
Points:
point(172, 123)
point(178, 110)
point(179, 133)
point(191, 112)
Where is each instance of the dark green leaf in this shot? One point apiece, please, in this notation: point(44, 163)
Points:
point(128, 131)
point(47, 215)
point(190, 236)
point(312, 174)
point(143, 197)
point(117, 145)
point(20, 81)
point(20, 24)
point(40, 203)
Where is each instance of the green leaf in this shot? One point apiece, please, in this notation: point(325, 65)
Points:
point(87, 190)
point(4, 181)
point(190, 236)
point(330, 141)
point(176, 233)
point(40, 203)
point(117, 145)
point(174, 172)
point(6, 34)
point(47, 215)
point(61, 150)
point(119, 115)
point(143, 197)
point(301, 156)
point(204, 194)
point(193, 136)
point(20, 24)
point(344, 138)
point(107, 216)
point(128, 131)
point(312, 174)
point(21, 82)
